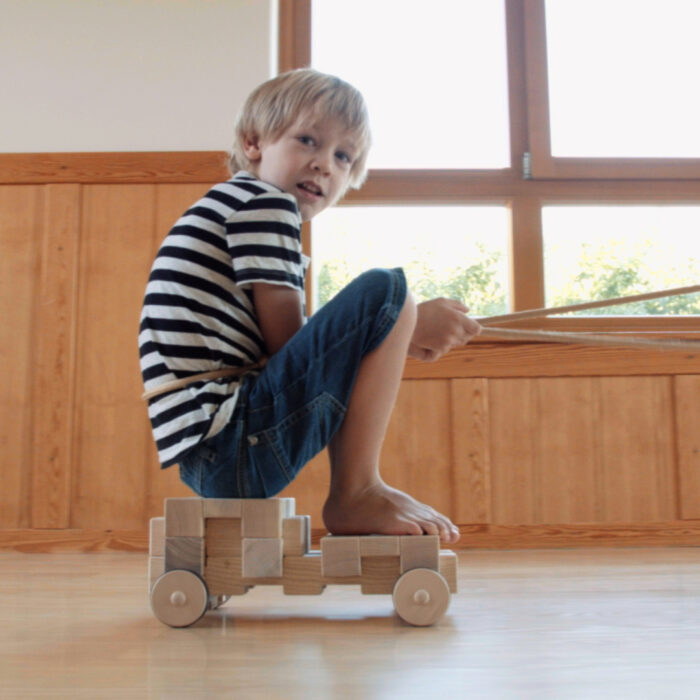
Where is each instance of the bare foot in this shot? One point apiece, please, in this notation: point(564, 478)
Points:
point(382, 510)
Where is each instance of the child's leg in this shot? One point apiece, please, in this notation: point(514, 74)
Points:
point(359, 501)
point(335, 384)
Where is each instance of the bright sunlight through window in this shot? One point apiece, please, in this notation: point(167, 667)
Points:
point(623, 78)
point(433, 74)
point(456, 252)
point(602, 252)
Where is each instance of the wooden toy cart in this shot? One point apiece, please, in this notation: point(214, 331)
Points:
point(205, 550)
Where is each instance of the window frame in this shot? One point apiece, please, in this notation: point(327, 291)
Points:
point(552, 181)
point(543, 163)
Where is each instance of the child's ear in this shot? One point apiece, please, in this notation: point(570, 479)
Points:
point(251, 148)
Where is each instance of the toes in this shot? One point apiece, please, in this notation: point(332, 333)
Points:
point(431, 528)
point(413, 528)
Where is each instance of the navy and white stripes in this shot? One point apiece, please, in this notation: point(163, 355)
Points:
point(198, 313)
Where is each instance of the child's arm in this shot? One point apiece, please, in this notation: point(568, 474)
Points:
point(280, 313)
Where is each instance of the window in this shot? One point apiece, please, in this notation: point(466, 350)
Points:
point(437, 102)
point(469, 263)
point(565, 193)
point(606, 252)
point(622, 78)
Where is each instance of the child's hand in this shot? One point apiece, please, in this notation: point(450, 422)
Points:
point(441, 326)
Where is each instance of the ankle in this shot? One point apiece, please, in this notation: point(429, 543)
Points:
point(349, 489)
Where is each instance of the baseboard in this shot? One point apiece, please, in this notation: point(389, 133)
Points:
point(675, 533)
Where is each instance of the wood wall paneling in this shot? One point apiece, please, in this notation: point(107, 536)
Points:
point(687, 418)
point(514, 485)
point(53, 373)
point(635, 421)
point(471, 450)
point(525, 441)
point(572, 450)
point(111, 436)
point(567, 450)
point(21, 217)
point(417, 453)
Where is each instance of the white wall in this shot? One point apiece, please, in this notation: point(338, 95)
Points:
point(129, 75)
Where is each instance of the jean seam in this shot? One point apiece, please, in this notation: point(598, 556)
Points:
point(386, 319)
point(271, 435)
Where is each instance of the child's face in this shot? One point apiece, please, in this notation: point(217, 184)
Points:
point(311, 160)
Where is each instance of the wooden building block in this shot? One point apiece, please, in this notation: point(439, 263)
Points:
point(420, 552)
point(262, 557)
point(222, 507)
point(223, 537)
point(156, 568)
point(380, 546)
point(184, 553)
point(379, 574)
point(262, 517)
point(302, 575)
point(223, 576)
point(340, 556)
point(296, 533)
point(448, 568)
point(183, 517)
point(156, 540)
point(288, 507)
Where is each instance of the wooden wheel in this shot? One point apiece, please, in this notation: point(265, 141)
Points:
point(179, 598)
point(421, 597)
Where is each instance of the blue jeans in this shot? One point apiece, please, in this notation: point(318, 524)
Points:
point(288, 413)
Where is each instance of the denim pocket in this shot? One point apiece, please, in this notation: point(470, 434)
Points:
point(278, 453)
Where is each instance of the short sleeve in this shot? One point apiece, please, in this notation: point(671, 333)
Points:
point(264, 240)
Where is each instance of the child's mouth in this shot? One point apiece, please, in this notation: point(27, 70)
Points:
point(310, 189)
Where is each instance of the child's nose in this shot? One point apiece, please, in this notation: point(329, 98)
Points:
point(322, 161)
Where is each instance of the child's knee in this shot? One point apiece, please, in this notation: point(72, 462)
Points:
point(383, 285)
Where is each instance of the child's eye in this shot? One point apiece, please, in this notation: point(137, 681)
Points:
point(343, 157)
point(306, 140)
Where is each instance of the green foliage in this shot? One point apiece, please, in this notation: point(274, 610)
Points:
point(477, 285)
point(602, 273)
point(611, 271)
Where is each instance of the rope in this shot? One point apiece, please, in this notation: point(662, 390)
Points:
point(691, 346)
point(538, 313)
point(201, 377)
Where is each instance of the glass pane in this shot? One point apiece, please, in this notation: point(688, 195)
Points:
point(433, 74)
point(623, 77)
point(455, 252)
point(594, 253)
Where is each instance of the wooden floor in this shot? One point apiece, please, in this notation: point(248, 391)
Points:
point(605, 623)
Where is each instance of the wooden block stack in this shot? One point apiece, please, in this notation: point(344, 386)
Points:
point(376, 562)
point(237, 543)
point(234, 544)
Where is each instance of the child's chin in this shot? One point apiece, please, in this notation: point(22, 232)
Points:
point(308, 211)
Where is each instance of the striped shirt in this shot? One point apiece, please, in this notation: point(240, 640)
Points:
point(198, 312)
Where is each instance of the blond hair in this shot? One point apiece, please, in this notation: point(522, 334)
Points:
point(277, 104)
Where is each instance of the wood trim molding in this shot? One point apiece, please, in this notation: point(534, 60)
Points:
point(483, 358)
point(133, 167)
point(672, 533)
point(383, 186)
point(294, 34)
point(73, 540)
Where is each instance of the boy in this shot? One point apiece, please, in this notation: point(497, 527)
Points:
point(226, 291)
